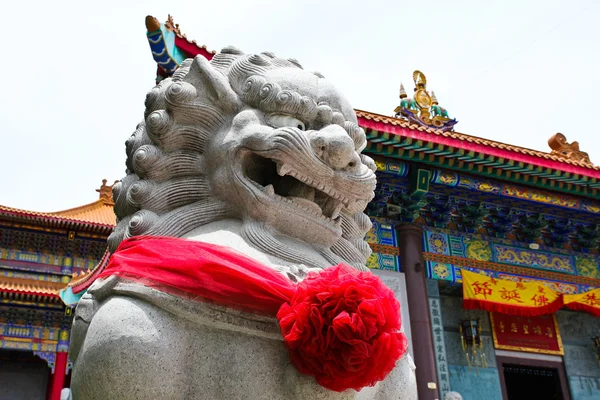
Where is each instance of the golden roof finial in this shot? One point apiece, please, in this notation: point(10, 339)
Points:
point(570, 151)
point(106, 192)
point(419, 79)
point(402, 91)
point(152, 24)
point(434, 99)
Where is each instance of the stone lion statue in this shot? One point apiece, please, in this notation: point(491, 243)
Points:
point(250, 152)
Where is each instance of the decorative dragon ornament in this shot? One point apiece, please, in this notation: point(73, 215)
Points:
point(248, 151)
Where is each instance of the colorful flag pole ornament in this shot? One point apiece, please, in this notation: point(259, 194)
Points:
point(527, 299)
point(341, 326)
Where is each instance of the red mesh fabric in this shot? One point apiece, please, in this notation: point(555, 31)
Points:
point(196, 269)
point(341, 326)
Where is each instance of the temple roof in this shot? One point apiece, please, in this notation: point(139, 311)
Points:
point(80, 282)
point(564, 168)
point(98, 215)
point(462, 137)
point(29, 290)
point(173, 27)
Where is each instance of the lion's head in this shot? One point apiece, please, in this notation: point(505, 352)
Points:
point(255, 138)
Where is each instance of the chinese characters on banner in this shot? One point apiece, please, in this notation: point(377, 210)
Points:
point(588, 302)
point(533, 334)
point(508, 297)
point(440, 346)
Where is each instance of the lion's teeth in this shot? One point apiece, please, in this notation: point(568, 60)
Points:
point(283, 169)
point(336, 211)
point(306, 204)
point(330, 206)
point(269, 189)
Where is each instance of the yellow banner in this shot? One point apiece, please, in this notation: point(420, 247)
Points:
point(588, 302)
point(507, 297)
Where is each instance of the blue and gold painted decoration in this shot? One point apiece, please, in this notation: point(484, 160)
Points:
point(501, 251)
point(33, 329)
point(477, 249)
point(437, 242)
point(386, 262)
point(48, 259)
point(399, 169)
point(49, 249)
point(449, 178)
point(457, 247)
point(64, 338)
point(24, 337)
point(440, 271)
point(587, 266)
point(382, 233)
point(453, 179)
point(8, 273)
point(533, 258)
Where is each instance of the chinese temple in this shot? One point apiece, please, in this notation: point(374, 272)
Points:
point(498, 247)
point(40, 254)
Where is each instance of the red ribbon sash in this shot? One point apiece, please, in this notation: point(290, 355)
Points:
point(341, 326)
point(196, 269)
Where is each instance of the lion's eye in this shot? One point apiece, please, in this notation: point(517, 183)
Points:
point(281, 120)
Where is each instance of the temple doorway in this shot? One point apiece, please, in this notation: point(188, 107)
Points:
point(23, 376)
point(525, 379)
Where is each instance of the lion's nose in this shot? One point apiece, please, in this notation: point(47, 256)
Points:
point(335, 148)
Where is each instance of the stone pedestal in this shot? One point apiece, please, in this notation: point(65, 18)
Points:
point(410, 242)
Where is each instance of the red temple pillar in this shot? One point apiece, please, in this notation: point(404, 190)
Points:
point(410, 243)
point(58, 378)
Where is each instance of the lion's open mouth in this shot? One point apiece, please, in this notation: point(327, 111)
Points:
point(280, 182)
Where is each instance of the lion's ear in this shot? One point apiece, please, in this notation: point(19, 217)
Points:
point(215, 84)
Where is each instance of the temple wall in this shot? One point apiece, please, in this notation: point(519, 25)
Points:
point(472, 383)
point(577, 330)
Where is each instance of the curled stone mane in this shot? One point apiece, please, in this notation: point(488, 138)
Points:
point(168, 190)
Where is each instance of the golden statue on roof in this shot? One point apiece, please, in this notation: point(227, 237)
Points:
point(570, 151)
point(423, 109)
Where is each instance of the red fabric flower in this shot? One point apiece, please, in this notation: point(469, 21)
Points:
point(342, 326)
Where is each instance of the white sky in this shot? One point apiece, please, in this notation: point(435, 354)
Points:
point(75, 73)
